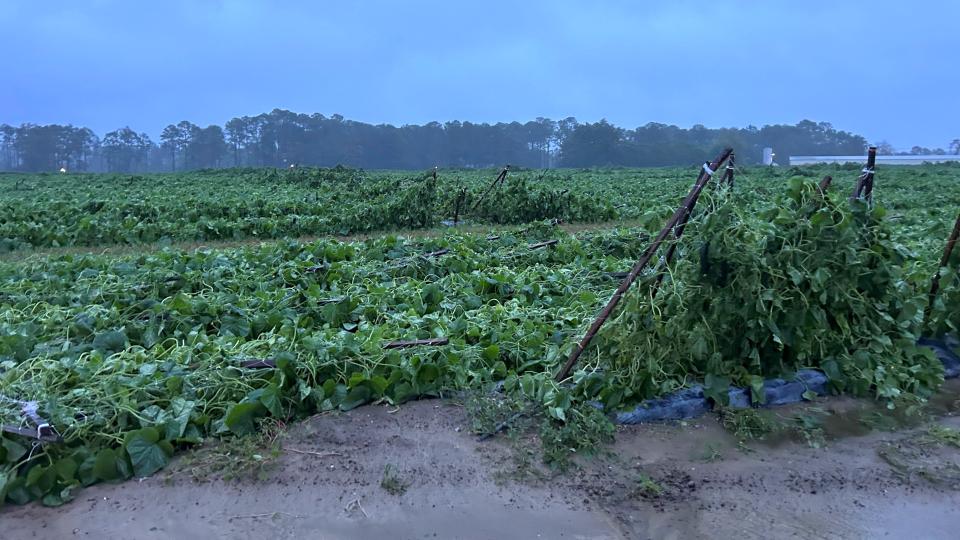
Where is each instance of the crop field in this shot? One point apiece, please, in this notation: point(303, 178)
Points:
point(103, 210)
point(134, 343)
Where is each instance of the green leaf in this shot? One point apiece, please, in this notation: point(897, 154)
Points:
point(178, 417)
point(700, 348)
point(6, 480)
point(809, 395)
point(146, 454)
point(174, 385)
point(66, 469)
point(427, 374)
point(110, 342)
point(758, 393)
point(378, 384)
point(85, 473)
point(240, 417)
point(105, 467)
point(41, 479)
point(329, 387)
point(270, 398)
point(52, 500)
point(356, 397)
point(831, 369)
point(58, 498)
point(402, 392)
point(181, 304)
point(234, 325)
point(357, 379)
point(304, 390)
point(14, 450)
point(191, 435)
point(717, 388)
point(17, 490)
point(150, 337)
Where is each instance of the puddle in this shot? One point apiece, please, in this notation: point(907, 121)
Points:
point(836, 418)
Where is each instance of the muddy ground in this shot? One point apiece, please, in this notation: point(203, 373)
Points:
point(692, 480)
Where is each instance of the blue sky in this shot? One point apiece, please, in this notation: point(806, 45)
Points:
point(885, 69)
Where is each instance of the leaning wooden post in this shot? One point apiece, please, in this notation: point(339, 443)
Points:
point(705, 174)
point(678, 231)
point(864, 186)
point(869, 176)
point(498, 180)
point(825, 184)
point(728, 174)
point(944, 260)
point(461, 196)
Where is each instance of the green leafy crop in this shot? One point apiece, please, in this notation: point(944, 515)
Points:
point(137, 356)
point(765, 289)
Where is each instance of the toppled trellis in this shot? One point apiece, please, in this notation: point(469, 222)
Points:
point(824, 186)
point(680, 216)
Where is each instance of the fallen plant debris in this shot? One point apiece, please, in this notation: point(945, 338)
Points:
point(134, 356)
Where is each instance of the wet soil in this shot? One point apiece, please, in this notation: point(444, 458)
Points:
point(690, 480)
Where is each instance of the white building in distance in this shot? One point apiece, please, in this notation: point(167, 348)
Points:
point(881, 160)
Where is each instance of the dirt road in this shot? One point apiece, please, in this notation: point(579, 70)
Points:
point(686, 481)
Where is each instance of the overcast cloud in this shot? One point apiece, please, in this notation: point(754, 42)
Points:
point(885, 69)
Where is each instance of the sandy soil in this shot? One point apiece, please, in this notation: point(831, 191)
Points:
point(862, 484)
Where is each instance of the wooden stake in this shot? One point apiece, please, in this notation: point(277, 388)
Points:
point(41, 429)
point(461, 196)
point(258, 364)
point(437, 253)
point(417, 343)
point(42, 435)
point(944, 260)
point(678, 231)
point(864, 186)
point(869, 176)
point(543, 244)
point(648, 254)
point(728, 172)
point(498, 180)
point(825, 184)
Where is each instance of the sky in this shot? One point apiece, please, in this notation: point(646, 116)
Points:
point(885, 69)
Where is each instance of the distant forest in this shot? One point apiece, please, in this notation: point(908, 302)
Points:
point(283, 138)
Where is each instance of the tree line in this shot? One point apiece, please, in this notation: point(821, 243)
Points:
point(282, 138)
